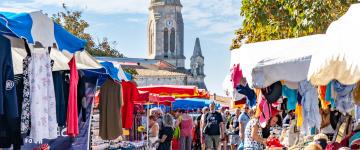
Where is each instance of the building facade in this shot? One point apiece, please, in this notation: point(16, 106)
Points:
point(165, 64)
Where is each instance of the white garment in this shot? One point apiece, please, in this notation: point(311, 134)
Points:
point(327, 130)
point(42, 97)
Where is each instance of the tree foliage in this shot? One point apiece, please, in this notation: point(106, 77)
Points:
point(278, 19)
point(73, 22)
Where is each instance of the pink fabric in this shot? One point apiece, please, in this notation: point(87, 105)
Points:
point(236, 75)
point(186, 127)
point(72, 112)
point(267, 111)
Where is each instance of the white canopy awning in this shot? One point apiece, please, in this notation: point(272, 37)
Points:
point(83, 59)
point(341, 61)
point(264, 63)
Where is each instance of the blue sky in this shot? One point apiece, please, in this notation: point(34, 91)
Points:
point(124, 21)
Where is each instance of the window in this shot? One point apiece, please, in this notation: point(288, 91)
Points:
point(166, 41)
point(172, 40)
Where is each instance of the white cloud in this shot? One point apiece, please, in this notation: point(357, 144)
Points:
point(214, 17)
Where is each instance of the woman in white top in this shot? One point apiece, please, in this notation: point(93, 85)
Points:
point(153, 133)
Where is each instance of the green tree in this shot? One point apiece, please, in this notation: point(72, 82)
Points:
point(72, 21)
point(278, 19)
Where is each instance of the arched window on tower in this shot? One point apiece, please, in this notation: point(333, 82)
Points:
point(166, 42)
point(172, 41)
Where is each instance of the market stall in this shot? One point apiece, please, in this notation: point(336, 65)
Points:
point(279, 71)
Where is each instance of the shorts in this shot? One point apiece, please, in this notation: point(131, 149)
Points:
point(234, 139)
point(212, 141)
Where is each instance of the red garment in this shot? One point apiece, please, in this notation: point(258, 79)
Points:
point(175, 144)
point(72, 113)
point(130, 94)
point(236, 75)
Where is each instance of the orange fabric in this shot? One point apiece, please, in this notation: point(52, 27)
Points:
point(322, 93)
point(258, 94)
point(298, 113)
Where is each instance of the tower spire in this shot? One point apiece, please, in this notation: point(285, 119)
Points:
point(197, 48)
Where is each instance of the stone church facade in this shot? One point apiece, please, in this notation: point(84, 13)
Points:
point(165, 64)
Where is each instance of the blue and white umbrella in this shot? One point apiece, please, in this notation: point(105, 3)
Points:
point(37, 27)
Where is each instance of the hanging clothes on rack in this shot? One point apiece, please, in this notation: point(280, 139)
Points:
point(110, 110)
point(130, 94)
point(72, 113)
point(344, 97)
point(8, 99)
point(310, 105)
point(42, 97)
point(61, 94)
point(25, 114)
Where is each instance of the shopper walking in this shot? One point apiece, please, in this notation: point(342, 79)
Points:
point(243, 119)
point(214, 128)
point(186, 125)
point(234, 128)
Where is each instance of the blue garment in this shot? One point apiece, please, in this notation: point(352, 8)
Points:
point(344, 99)
point(8, 98)
point(291, 95)
point(249, 93)
point(9, 113)
point(310, 105)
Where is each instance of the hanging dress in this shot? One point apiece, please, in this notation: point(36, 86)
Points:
point(25, 114)
point(72, 113)
point(42, 98)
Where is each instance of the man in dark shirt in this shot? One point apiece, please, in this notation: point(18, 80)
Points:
point(214, 128)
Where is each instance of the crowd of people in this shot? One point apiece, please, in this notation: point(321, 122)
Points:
point(213, 129)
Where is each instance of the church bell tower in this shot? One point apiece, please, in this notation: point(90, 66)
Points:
point(165, 32)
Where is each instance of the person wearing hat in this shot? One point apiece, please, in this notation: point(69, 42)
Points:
point(214, 128)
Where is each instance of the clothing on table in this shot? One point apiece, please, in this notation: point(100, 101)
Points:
point(61, 85)
point(212, 123)
point(130, 94)
point(310, 105)
point(42, 97)
point(249, 142)
point(9, 113)
point(344, 98)
point(236, 75)
point(291, 95)
point(110, 114)
point(166, 145)
point(25, 114)
point(72, 112)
